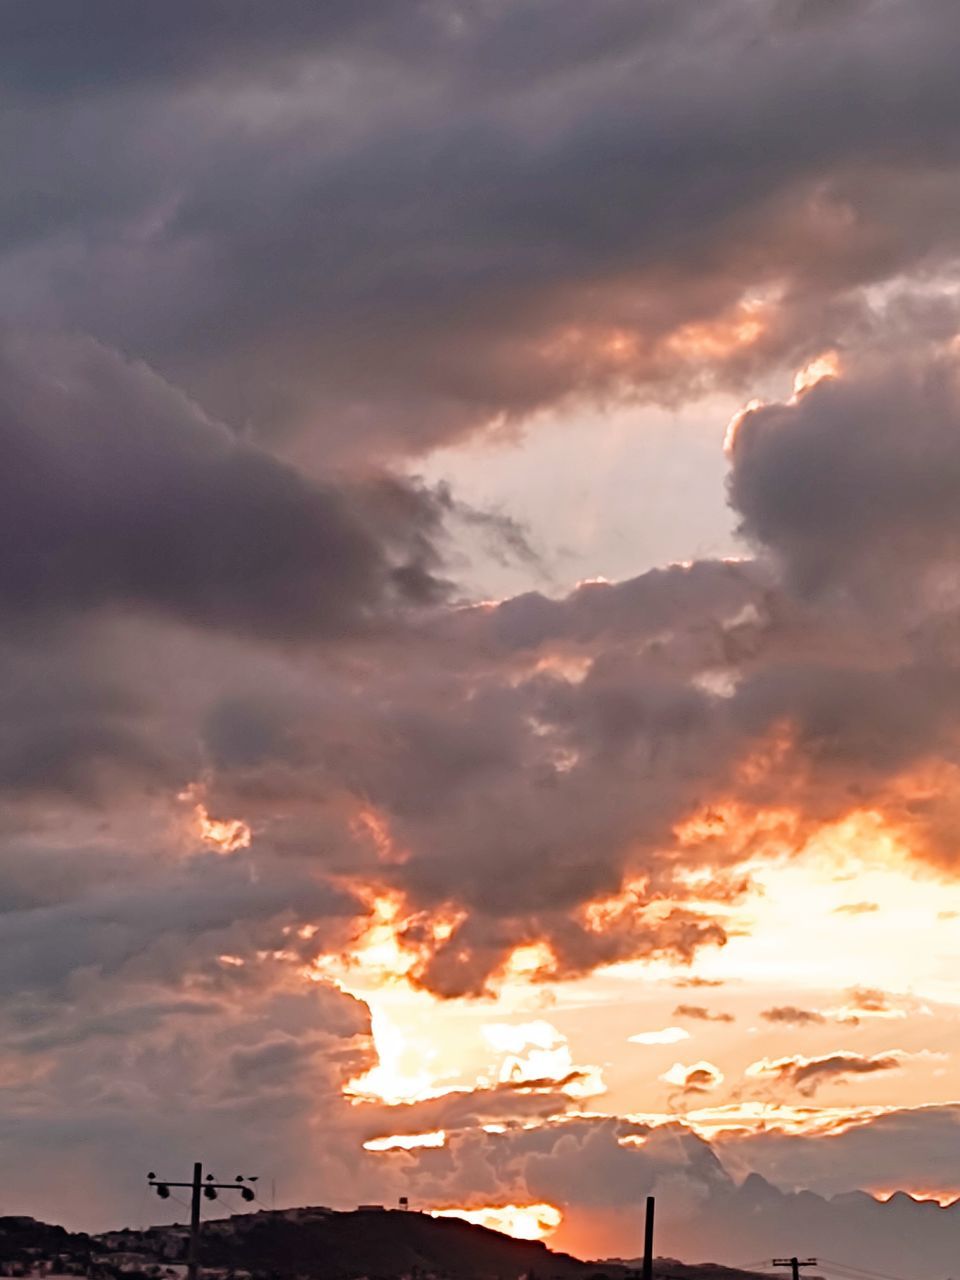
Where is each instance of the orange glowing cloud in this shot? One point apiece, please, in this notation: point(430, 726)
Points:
point(721, 338)
point(700, 1077)
point(225, 835)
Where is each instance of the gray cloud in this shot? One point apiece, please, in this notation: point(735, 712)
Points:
point(604, 212)
point(853, 484)
point(121, 492)
point(701, 1014)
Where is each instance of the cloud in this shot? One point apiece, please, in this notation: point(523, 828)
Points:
point(701, 1014)
point(793, 1016)
point(249, 265)
point(807, 1075)
point(668, 1035)
point(844, 495)
point(869, 1002)
point(266, 1057)
point(856, 908)
point(593, 1168)
point(897, 1147)
point(230, 245)
point(701, 1077)
point(121, 492)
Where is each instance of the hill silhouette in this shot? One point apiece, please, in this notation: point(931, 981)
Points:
point(345, 1246)
point(389, 1243)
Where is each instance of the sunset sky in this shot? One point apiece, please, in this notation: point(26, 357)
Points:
point(480, 669)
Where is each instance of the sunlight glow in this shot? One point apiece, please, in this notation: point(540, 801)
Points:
point(537, 1052)
point(823, 366)
point(396, 1077)
point(407, 1141)
point(942, 1198)
point(523, 1221)
point(669, 1035)
point(527, 960)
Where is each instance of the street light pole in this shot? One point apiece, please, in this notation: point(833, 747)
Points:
point(198, 1187)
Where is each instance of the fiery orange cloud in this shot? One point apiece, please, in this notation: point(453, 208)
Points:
point(389, 945)
point(523, 1221)
point(225, 835)
point(721, 338)
point(736, 828)
point(528, 961)
point(603, 914)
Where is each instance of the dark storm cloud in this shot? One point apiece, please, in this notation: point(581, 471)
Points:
point(388, 231)
point(854, 484)
point(143, 926)
point(118, 491)
point(52, 48)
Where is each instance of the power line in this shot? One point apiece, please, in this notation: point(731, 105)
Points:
point(861, 1271)
point(794, 1264)
point(208, 1188)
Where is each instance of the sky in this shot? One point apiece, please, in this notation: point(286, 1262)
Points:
point(480, 663)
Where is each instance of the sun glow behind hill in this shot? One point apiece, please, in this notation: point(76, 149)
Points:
point(614, 1037)
point(522, 1221)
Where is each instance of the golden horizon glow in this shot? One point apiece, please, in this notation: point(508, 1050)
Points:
point(943, 1198)
point(522, 1221)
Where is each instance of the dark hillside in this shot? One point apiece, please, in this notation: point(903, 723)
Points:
point(390, 1243)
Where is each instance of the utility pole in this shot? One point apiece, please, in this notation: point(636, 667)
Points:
point(794, 1264)
point(198, 1186)
point(648, 1240)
